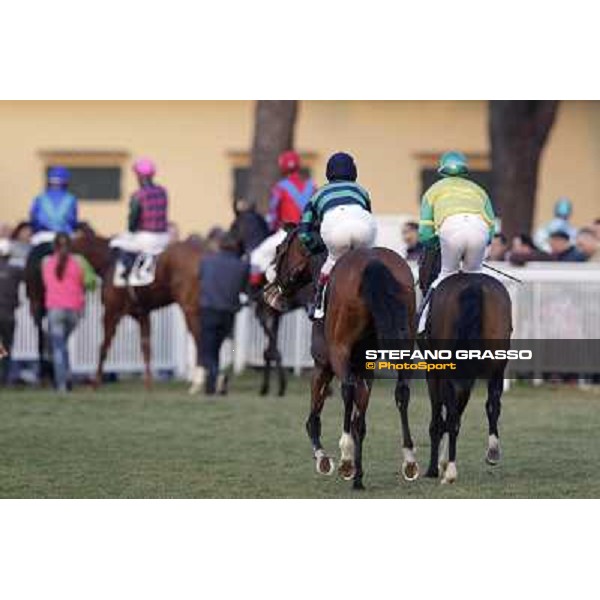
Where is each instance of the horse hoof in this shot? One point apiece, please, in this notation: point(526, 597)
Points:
point(450, 474)
point(346, 470)
point(432, 473)
point(358, 486)
point(263, 391)
point(442, 466)
point(493, 456)
point(324, 465)
point(410, 471)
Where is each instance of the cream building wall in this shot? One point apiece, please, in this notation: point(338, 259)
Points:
point(193, 144)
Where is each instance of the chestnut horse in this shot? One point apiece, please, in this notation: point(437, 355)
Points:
point(370, 298)
point(176, 280)
point(468, 311)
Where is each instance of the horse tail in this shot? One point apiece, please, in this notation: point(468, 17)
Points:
point(469, 322)
point(380, 291)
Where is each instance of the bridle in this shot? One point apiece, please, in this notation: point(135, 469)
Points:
point(276, 292)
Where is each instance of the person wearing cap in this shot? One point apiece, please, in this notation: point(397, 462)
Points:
point(563, 210)
point(457, 214)
point(223, 276)
point(336, 219)
point(148, 225)
point(288, 198)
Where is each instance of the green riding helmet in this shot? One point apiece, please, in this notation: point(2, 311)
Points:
point(453, 164)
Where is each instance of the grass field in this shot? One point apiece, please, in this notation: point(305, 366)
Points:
point(123, 442)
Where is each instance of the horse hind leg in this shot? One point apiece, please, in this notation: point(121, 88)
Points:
point(492, 409)
point(359, 429)
point(321, 377)
point(455, 405)
point(436, 426)
point(347, 467)
point(111, 320)
point(144, 321)
point(410, 467)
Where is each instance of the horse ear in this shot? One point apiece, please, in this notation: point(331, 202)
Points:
point(288, 227)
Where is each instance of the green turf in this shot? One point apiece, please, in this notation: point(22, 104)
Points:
point(122, 442)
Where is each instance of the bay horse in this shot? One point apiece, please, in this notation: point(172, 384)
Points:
point(268, 317)
point(176, 281)
point(468, 311)
point(370, 297)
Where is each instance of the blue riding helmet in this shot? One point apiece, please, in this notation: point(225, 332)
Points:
point(563, 208)
point(58, 175)
point(341, 167)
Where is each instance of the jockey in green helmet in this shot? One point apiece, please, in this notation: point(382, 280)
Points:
point(459, 213)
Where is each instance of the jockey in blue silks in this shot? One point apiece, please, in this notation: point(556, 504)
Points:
point(54, 210)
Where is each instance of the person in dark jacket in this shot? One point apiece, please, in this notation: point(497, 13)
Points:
point(250, 227)
point(410, 237)
point(10, 278)
point(223, 277)
point(562, 249)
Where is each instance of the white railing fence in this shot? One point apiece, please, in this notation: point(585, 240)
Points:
point(555, 300)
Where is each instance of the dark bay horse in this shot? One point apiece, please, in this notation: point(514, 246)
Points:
point(468, 311)
point(248, 233)
point(176, 281)
point(370, 297)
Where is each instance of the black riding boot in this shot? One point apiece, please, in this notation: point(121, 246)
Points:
point(316, 310)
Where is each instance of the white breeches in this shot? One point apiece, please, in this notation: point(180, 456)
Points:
point(264, 254)
point(463, 240)
point(148, 242)
point(43, 237)
point(344, 228)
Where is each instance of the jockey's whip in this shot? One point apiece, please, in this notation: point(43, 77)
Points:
point(502, 273)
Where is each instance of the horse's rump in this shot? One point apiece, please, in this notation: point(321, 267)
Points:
point(371, 294)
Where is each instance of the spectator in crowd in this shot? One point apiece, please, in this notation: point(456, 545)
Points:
point(223, 276)
point(596, 228)
point(20, 245)
point(250, 227)
point(410, 237)
point(524, 250)
point(196, 240)
point(213, 239)
point(561, 248)
point(588, 244)
point(498, 247)
point(66, 277)
point(10, 278)
point(563, 209)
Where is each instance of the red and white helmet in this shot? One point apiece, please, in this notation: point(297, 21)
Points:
point(289, 161)
point(144, 167)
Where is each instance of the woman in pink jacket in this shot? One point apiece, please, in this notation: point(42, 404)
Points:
point(66, 277)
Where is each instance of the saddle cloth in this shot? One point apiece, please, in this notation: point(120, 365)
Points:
point(142, 272)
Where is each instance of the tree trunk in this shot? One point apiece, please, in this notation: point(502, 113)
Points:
point(518, 132)
point(273, 133)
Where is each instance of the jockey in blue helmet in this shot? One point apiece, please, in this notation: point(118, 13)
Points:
point(563, 209)
point(55, 210)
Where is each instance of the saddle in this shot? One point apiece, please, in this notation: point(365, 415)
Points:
point(135, 269)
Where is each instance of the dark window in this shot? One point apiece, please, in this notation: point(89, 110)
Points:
point(240, 181)
point(483, 178)
point(96, 183)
